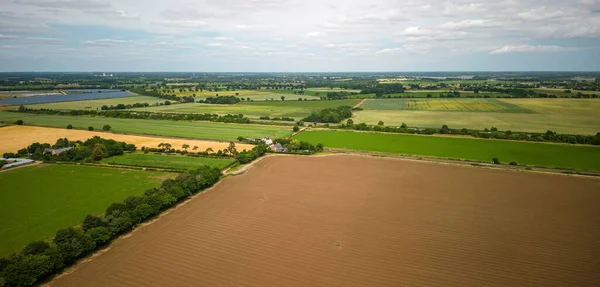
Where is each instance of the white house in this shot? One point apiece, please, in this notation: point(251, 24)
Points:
point(267, 141)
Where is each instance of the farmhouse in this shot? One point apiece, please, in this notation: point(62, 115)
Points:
point(267, 141)
point(278, 148)
point(57, 151)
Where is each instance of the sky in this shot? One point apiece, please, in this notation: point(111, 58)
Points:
point(299, 35)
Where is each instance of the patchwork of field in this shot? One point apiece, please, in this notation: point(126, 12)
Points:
point(255, 110)
point(38, 200)
point(14, 138)
point(526, 153)
point(186, 129)
point(167, 161)
point(577, 116)
point(302, 221)
point(97, 104)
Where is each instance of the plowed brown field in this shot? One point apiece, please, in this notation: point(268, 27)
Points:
point(356, 221)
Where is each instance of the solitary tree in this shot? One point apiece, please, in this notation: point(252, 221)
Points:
point(380, 123)
point(90, 128)
point(106, 127)
point(231, 149)
point(195, 147)
point(70, 127)
point(296, 129)
point(283, 98)
point(185, 146)
point(209, 150)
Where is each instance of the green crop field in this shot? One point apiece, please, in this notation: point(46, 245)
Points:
point(254, 110)
point(197, 130)
point(577, 116)
point(535, 154)
point(38, 200)
point(167, 161)
point(97, 104)
point(466, 105)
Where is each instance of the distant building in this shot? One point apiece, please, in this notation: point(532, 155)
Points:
point(56, 151)
point(267, 141)
point(278, 148)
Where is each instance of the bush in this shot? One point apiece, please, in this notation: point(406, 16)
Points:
point(19, 122)
point(106, 128)
point(513, 163)
point(296, 129)
point(99, 235)
point(35, 248)
point(495, 160)
point(70, 127)
point(92, 221)
point(90, 128)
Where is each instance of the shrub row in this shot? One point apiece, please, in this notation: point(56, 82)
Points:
point(40, 259)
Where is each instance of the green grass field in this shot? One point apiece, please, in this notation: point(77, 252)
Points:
point(535, 154)
point(569, 116)
point(254, 110)
point(197, 130)
point(167, 161)
point(38, 200)
point(97, 104)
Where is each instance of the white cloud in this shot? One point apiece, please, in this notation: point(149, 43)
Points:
point(103, 43)
point(532, 48)
point(7, 37)
point(224, 39)
point(315, 34)
point(389, 51)
point(214, 45)
point(65, 4)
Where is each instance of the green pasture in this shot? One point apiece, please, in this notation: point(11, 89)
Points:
point(97, 104)
point(526, 153)
point(38, 200)
point(254, 110)
point(186, 129)
point(167, 161)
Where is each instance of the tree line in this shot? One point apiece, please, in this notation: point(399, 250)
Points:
point(223, 100)
point(40, 260)
point(383, 89)
point(93, 149)
point(240, 119)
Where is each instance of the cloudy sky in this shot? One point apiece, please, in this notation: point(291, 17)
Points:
point(299, 35)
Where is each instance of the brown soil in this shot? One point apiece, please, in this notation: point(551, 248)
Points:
point(358, 221)
point(13, 138)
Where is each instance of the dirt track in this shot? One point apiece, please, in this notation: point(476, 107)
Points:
point(358, 221)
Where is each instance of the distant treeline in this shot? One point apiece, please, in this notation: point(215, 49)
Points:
point(123, 106)
point(223, 100)
point(285, 119)
point(240, 119)
point(492, 133)
point(156, 94)
point(330, 115)
point(383, 89)
point(93, 149)
point(40, 260)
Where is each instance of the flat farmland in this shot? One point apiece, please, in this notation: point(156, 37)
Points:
point(391, 226)
point(14, 138)
point(465, 105)
point(526, 153)
point(96, 104)
point(254, 110)
point(186, 129)
point(167, 161)
point(577, 116)
point(38, 200)
point(256, 95)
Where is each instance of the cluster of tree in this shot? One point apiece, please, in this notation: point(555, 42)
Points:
point(230, 151)
point(154, 93)
point(41, 259)
point(383, 89)
point(296, 146)
point(330, 115)
point(123, 106)
point(240, 119)
point(244, 157)
point(223, 100)
point(492, 133)
point(339, 95)
point(285, 119)
point(93, 149)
